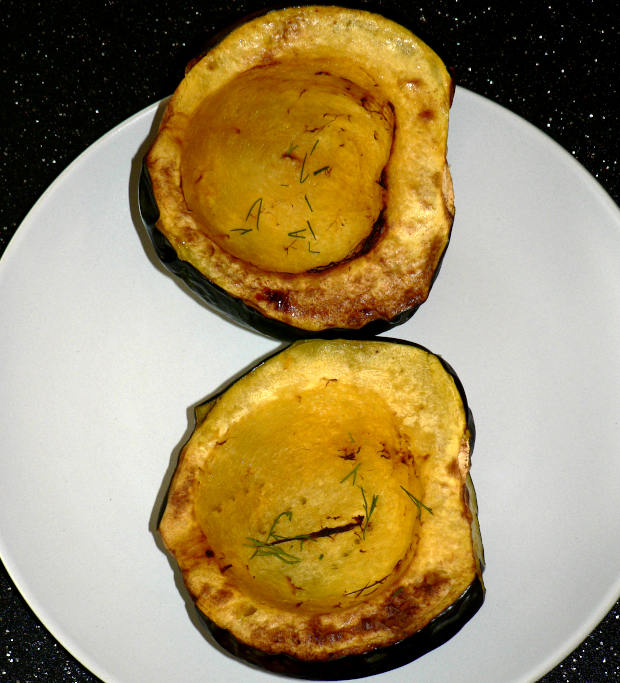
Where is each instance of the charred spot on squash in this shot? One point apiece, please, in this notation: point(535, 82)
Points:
point(286, 162)
point(278, 300)
point(453, 469)
point(221, 596)
point(339, 490)
point(427, 114)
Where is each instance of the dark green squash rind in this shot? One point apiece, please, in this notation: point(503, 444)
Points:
point(233, 308)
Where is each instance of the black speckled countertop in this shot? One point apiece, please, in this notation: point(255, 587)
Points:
point(71, 71)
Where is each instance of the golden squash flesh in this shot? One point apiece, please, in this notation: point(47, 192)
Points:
point(322, 507)
point(273, 166)
point(300, 168)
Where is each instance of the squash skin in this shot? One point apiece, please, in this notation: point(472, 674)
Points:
point(379, 288)
point(442, 627)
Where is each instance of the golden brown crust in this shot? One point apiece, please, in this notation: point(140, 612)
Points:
point(396, 273)
point(344, 591)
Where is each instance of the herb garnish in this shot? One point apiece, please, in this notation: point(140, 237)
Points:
point(368, 586)
point(263, 549)
point(270, 546)
point(418, 503)
point(259, 201)
point(303, 179)
point(290, 150)
point(373, 502)
point(297, 234)
point(353, 473)
point(369, 511)
point(266, 547)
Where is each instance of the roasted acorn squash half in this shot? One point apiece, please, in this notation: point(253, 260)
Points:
point(322, 514)
point(298, 180)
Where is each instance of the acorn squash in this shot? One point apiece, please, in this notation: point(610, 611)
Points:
point(322, 513)
point(298, 180)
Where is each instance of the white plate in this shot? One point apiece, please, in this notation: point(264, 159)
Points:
point(103, 355)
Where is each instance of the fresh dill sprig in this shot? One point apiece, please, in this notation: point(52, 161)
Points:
point(287, 513)
point(298, 234)
point(367, 587)
point(352, 473)
point(308, 203)
point(267, 548)
point(290, 150)
point(303, 179)
point(323, 169)
point(316, 142)
point(243, 231)
point(418, 503)
point(271, 546)
point(311, 230)
point(263, 549)
point(259, 201)
point(368, 510)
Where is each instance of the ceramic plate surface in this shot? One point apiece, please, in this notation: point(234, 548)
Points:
point(103, 355)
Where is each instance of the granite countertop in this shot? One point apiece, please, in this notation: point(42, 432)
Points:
point(71, 71)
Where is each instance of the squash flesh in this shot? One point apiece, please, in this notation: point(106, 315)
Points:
point(368, 590)
point(283, 165)
point(310, 454)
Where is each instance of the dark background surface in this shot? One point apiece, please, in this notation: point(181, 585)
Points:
point(71, 71)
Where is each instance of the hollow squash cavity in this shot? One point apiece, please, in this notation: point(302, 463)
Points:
point(287, 494)
point(283, 165)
